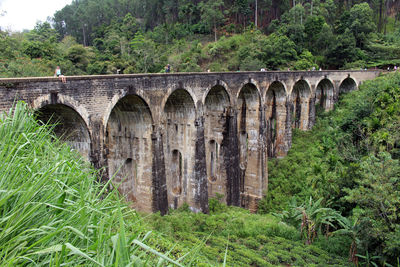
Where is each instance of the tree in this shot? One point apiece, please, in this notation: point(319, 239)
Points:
point(36, 49)
point(313, 27)
point(361, 23)
point(144, 54)
point(329, 11)
point(306, 61)
point(312, 217)
point(240, 9)
point(9, 47)
point(350, 228)
point(43, 32)
point(212, 15)
point(78, 55)
point(277, 50)
point(343, 50)
point(377, 196)
point(189, 12)
point(129, 26)
point(41, 42)
point(293, 26)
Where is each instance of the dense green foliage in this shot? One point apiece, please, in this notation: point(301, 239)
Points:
point(240, 238)
point(120, 36)
point(53, 211)
point(351, 160)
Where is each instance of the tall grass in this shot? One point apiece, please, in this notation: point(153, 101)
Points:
point(52, 210)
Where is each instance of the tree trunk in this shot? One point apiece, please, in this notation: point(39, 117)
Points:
point(84, 35)
point(380, 16)
point(215, 31)
point(255, 15)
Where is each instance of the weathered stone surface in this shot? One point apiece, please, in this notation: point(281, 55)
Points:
point(170, 139)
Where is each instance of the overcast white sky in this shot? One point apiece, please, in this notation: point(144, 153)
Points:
point(23, 14)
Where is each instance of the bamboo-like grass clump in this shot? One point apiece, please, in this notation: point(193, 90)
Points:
point(53, 210)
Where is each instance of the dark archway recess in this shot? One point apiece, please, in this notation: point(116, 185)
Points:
point(180, 147)
point(180, 107)
point(276, 119)
point(177, 174)
point(347, 85)
point(219, 176)
point(214, 158)
point(300, 101)
point(324, 95)
point(217, 99)
point(68, 126)
point(130, 150)
point(250, 142)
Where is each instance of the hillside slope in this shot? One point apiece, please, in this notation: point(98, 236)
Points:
point(351, 160)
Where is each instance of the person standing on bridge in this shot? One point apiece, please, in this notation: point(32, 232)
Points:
point(168, 68)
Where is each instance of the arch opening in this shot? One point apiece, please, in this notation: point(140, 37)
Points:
point(217, 99)
point(300, 99)
point(179, 148)
point(69, 126)
point(180, 106)
point(347, 85)
point(275, 116)
point(177, 171)
point(129, 145)
point(216, 105)
point(324, 95)
point(249, 127)
point(214, 158)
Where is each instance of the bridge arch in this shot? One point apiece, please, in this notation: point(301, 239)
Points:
point(324, 93)
point(300, 98)
point(179, 115)
point(217, 99)
point(69, 126)
point(249, 125)
point(57, 98)
point(250, 82)
point(249, 95)
point(117, 97)
point(129, 145)
point(71, 119)
point(218, 84)
point(347, 84)
point(275, 103)
point(180, 104)
point(178, 90)
point(216, 112)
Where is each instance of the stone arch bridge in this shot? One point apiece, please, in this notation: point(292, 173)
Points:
point(176, 138)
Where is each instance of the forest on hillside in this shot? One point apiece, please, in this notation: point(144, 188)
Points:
point(135, 36)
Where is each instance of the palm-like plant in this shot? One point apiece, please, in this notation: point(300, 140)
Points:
point(369, 260)
point(312, 217)
point(350, 228)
